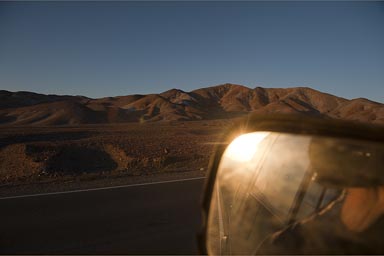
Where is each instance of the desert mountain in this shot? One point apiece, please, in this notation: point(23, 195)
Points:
point(217, 102)
point(22, 99)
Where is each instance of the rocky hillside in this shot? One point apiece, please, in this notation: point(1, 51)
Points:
point(217, 102)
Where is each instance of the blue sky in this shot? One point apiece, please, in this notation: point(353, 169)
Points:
point(101, 49)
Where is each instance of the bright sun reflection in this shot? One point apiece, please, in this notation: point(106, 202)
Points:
point(244, 147)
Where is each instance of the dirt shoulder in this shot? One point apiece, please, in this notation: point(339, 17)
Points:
point(21, 189)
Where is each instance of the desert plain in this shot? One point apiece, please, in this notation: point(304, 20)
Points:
point(37, 159)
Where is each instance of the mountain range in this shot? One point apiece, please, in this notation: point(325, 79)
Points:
point(216, 102)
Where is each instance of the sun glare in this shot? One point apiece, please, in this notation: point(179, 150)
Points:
point(244, 147)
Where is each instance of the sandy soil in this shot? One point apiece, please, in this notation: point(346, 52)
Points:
point(70, 154)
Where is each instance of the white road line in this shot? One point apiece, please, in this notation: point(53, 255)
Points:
point(102, 188)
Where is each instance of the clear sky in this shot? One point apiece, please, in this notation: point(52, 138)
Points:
point(101, 49)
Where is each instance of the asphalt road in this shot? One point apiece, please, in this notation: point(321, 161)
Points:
point(160, 218)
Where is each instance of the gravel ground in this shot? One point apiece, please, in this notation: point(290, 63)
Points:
point(52, 159)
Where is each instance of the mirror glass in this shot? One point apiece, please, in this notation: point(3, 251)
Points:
point(280, 193)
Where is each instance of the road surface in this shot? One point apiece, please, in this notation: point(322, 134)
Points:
point(159, 218)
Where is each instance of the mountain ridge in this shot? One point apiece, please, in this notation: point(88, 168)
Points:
point(215, 102)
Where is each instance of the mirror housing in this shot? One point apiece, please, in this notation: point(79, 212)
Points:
point(295, 125)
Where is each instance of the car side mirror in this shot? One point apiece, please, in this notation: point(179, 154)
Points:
point(270, 173)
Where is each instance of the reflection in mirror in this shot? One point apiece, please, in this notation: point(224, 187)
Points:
point(268, 182)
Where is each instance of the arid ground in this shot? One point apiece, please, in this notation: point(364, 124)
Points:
point(32, 156)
